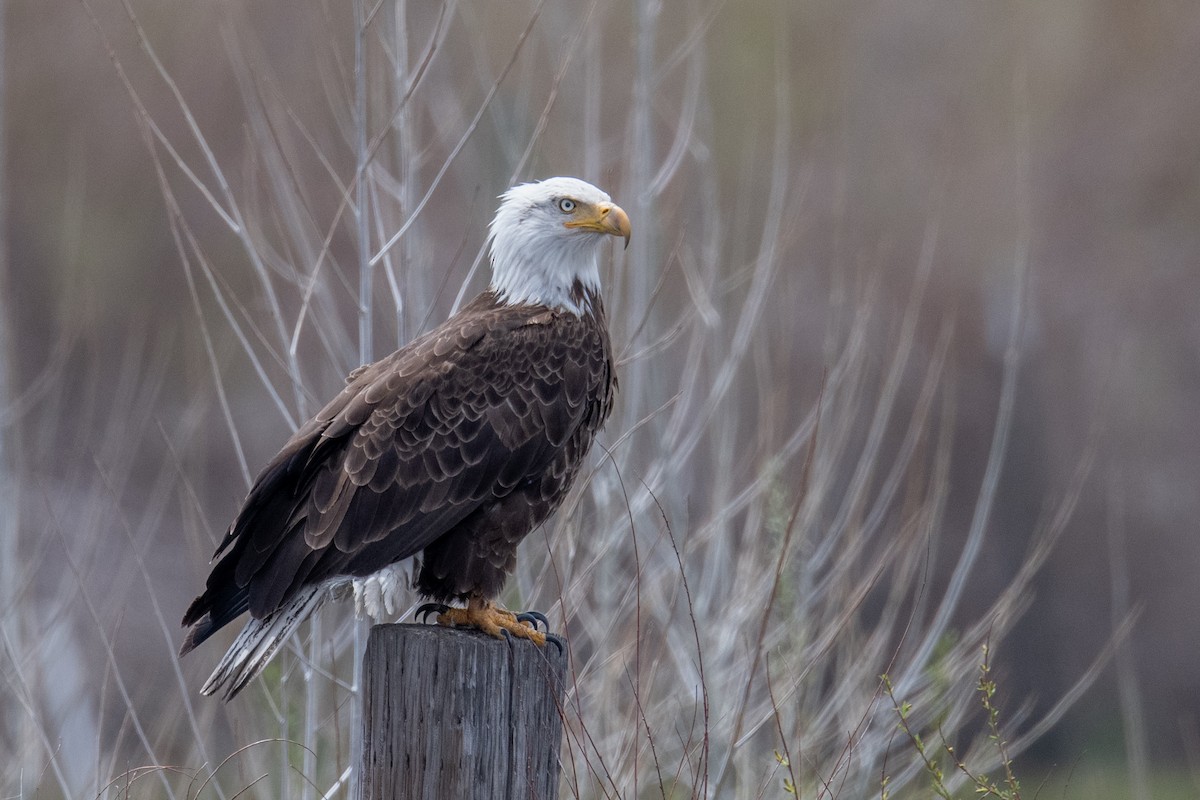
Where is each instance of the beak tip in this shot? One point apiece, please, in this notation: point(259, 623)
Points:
point(621, 224)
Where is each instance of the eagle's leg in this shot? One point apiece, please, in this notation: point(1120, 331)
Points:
point(485, 616)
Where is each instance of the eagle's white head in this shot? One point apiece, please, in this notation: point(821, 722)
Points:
point(546, 236)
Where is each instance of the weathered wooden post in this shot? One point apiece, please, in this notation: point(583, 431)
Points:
point(459, 714)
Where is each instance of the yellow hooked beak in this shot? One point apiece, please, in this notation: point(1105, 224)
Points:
point(602, 218)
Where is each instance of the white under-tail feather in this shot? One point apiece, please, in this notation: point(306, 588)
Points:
point(259, 640)
point(381, 594)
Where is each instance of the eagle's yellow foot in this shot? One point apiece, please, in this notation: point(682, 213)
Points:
point(485, 616)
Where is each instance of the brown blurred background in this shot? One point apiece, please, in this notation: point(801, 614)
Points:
point(1072, 126)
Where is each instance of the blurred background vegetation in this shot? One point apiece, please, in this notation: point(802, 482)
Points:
point(847, 146)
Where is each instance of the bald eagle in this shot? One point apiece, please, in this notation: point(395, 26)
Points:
point(449, 450)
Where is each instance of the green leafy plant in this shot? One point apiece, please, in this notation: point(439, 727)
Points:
point(938, 760)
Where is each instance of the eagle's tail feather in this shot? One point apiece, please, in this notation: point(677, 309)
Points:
point(259, 640)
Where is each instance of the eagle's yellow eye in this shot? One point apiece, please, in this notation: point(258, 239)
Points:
point(566, 205)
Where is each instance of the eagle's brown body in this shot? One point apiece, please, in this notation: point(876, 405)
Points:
point(453, 448)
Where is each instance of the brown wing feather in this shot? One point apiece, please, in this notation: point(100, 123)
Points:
point(414, 444)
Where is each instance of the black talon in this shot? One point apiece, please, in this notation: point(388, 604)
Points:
point(552, 638)
point(422, 613)
point(532, 618)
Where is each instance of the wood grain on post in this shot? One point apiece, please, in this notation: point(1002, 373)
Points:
point(459, 714)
